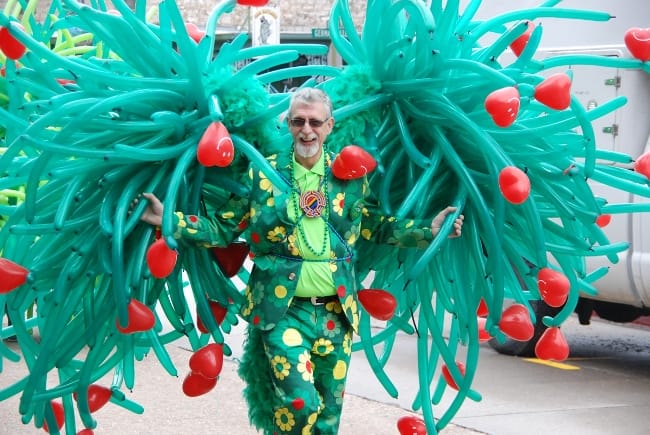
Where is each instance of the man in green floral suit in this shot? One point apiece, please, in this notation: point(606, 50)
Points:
point(301, 303)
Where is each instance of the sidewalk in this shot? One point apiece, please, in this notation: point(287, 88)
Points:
point(221, 411)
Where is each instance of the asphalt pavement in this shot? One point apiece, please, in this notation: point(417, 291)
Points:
point(167, 410)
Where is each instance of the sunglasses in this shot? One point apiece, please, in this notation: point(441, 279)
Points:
point(300, 122)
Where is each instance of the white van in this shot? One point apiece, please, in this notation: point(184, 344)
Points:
point(624, 293)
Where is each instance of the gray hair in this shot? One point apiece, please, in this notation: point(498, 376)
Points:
point(310, 96)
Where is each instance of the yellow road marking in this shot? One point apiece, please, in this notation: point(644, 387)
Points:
point(554, 364)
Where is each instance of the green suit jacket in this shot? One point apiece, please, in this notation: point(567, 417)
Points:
point(262, 219)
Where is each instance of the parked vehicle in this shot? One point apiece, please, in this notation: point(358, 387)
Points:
point(624, 293)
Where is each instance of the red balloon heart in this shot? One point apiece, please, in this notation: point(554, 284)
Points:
point(603, 220)
point(195, 384)
point(637, 40)
point(59, 416)
point(642, 164)
point(552, 345)
point(215, 147)
point(553, 286)
point(161, 259)
point(353, 162)
point(514, 184)
point(252, 2)
point(503, 105)
point(447, 374)
point(12, 275)
point(218, 312)
point(483, 335)
point(140, 318)
point(231, 258)
point(518, 45)
point(482, 309)
point(86, 432)
point(411, 425)
point(98, 396)
point(207, 361)
point(554, 91)
point(194, 32)
point(515, 323)
point(380, 304)
point(9, 45)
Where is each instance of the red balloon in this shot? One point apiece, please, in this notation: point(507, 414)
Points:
point(231, 258)
point(195, 384)
point(411, 425)
point(353, 162)
point(86, 432)
point(447, 374)
point(637, 40)
point(215, 147)
point(208, 361)
point(12, 275)
point(140, 318)
point(553, 286)
point(219, 313)
point(503, 105)
point(552, 345)
point(483, 335)
point(59, 416)
point(514, 184)
point(515, 323)
point(195, 33)
point(603, 220)
point(98, 396)
point(482, 309)
point(554, 91)
point(380, 304)
point(9, 45)
point(252, 2)
point(518, 45)
point(161, 259)
point(64, 82)
point(642, 164)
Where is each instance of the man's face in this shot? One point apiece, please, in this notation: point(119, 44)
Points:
point(308, 139)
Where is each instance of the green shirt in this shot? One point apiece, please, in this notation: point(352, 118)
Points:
point(312, 234)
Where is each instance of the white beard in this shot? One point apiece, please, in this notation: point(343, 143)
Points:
point(305, 151)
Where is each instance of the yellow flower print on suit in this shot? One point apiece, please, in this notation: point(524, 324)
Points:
point(248, 308)
point(277, 234)
point(292, 244)
point(181, 219)
point(281, 367)
point(284, 419)
point(307, 430)
point(350, 306)
point(280, 291)
point(347, 344)
point(265, 183)
point(305, 367)
point(340, 370)
point(322, 347)
point(334, 307)
point(338, 203)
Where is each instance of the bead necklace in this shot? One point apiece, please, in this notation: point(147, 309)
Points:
point(313, 204)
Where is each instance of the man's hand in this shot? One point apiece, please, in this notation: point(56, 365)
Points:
point(437, 221)
point(153, 213)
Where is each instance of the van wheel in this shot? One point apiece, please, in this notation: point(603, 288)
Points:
point(526, 348)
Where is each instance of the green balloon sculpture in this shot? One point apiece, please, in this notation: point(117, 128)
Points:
point(89, 121)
